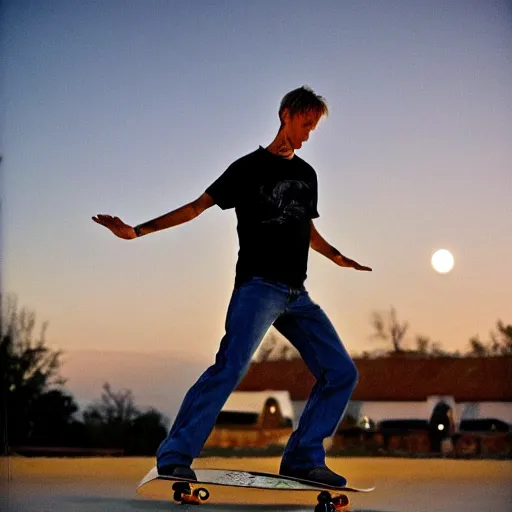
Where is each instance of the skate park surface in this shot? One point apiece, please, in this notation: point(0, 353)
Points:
point(108, 484)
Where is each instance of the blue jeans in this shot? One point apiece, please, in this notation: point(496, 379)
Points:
point(254, 307)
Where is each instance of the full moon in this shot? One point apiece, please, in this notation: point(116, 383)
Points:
point(442, 261)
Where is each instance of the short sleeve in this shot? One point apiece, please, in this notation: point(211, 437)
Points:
point(314, 197)
point(226, 188)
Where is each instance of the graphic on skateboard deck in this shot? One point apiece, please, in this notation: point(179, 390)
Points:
point(211, 482)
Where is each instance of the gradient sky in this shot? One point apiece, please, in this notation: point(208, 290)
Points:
point(134, 107)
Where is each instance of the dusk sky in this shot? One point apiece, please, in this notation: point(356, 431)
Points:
point(133, 108)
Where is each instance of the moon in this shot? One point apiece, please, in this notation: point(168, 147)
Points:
point(442, 261)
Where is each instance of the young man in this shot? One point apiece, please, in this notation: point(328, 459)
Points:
point(274, 194)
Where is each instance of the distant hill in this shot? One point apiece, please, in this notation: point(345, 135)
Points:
point(158, 380)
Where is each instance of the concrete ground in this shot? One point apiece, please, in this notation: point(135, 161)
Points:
point(403, 485)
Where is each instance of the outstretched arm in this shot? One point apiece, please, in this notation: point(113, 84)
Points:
point(319, 244)
point(179, 216)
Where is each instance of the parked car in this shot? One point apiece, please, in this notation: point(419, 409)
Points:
point(484, 425)
point(401, 426)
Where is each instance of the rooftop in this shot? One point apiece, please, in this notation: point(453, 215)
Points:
point(397, 378)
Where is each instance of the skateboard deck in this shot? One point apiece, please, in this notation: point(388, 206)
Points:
point(220, 484)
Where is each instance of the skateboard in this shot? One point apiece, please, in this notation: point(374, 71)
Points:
point(218, 482)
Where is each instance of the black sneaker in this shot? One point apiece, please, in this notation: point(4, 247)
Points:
point(177, 470)
point(319, 475)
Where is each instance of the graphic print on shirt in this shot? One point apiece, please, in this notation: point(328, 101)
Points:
point(287, 201)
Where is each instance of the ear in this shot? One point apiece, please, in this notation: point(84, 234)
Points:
point(285, 116)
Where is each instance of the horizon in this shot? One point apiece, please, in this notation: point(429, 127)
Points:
point(151, 373)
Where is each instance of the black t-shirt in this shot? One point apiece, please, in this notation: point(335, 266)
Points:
point(274, 199)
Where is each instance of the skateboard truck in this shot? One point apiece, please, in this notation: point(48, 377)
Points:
point(183, 494)
point(328, 503)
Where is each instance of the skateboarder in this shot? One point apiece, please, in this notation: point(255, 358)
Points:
point(274, 194)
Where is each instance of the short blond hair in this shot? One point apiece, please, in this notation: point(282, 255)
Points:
point(301, 101)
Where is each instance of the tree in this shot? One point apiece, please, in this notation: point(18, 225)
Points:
point(389, 329)
point(423, 344)
point(500, 343)
point(29, 379)
point(148, 430)
point(36, 411)
point(477, 347)
point(428, 348)
point(115, 422)
point(109, 420)
point(113, 407)
point(52, 417)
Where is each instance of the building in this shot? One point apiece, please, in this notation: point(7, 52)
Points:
point(253, 419)
point(254, 404)
point(402, 387)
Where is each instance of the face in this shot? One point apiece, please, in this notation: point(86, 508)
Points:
point(297, 128)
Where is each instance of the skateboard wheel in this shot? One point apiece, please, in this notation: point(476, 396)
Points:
point(325, 503)
point(180, 489)
point(340, 502)
point(325, 507)
point(324, 497)
point(202, 493)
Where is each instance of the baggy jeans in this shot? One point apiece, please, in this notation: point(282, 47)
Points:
point(254, 307)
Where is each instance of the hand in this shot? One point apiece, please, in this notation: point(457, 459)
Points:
point(116, 225)
point(343, 261)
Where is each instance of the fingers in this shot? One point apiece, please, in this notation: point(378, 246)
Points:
point(361, 267)
point(102, 218)
point(107, 220)
point(99, 219)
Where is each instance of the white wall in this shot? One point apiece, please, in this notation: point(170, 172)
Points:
point(254, 401)
point(378, 411)
point(475, 410)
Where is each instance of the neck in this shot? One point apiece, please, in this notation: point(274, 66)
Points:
point(281, 146)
